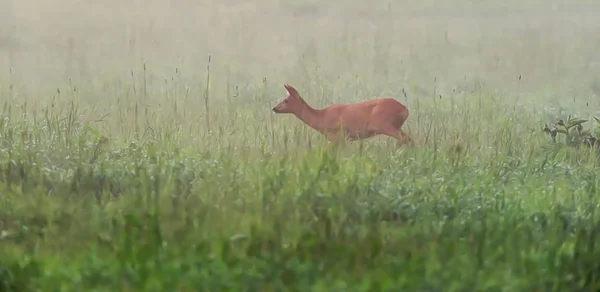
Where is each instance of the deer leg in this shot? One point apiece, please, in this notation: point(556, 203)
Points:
point(405, 137)
point(397, 134)
point(334, 144)
point(334, 139)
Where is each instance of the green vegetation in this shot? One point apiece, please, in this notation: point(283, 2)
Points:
point(159, 181)
point(82, 211)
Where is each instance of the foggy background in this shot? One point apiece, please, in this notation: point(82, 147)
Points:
point(420, 46)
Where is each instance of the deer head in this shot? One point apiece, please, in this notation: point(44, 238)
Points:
point(293, 103)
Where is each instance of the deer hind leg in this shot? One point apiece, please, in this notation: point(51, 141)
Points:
point(401, 137)
point(405, 138)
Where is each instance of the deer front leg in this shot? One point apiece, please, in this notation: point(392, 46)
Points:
point(333, 144)
point(332, 139)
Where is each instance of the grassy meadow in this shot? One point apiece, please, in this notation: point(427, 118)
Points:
point(139, 152)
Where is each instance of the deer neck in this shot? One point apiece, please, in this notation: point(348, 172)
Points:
point(311, 117)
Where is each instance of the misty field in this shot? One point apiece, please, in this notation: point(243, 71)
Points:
point(139, 151)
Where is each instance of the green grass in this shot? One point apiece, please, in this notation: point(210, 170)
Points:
point(476, 205)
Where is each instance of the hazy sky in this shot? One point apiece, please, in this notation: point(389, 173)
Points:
point(552, 44)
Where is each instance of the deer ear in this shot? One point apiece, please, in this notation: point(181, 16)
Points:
point(291, 90)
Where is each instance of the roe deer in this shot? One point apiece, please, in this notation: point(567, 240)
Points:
point(349, 122)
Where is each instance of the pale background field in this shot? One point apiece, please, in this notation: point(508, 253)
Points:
point(385, 45)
